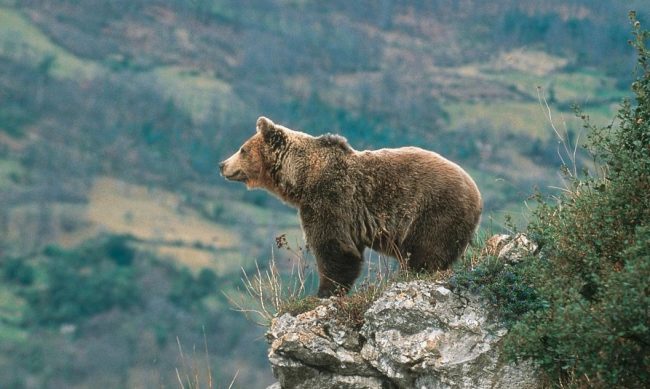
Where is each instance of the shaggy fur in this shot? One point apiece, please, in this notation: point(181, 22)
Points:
point(408, 203)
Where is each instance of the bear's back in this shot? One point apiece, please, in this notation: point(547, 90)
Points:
point(415, 178)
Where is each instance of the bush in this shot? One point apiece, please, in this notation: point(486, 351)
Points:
point(16, 270)
point(118, 249)
point(505, 287)
point(188, 290)
point(595, 258)
point(84, 281)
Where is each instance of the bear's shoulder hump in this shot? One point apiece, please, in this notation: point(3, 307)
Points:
point(334, 140)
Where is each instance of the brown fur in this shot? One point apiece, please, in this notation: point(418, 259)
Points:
point(409, 203)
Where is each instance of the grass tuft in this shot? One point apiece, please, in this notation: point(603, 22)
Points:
point(268, 292)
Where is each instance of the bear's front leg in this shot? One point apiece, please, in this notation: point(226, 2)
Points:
point(339, 265)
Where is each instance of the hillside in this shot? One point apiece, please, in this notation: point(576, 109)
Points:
point(114, 115)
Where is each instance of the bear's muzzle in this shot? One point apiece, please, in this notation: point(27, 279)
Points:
point(237, 175)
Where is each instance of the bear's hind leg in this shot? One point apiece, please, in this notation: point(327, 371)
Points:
point(339, 266)
point(432, 255)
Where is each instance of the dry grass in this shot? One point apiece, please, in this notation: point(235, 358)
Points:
point(151, 215)
point(157, 218)
point(267, 292)
point(197, 259)
point(195, 371)
point(154, 217)
point(538, 63)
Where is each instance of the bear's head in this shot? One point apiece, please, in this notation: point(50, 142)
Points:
point(257, 158)
point(281, 160)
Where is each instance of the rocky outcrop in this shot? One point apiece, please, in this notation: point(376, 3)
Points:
point(415, 335)
point(510, 249)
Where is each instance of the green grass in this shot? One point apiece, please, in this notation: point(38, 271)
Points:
point(198, 94)
point(524, 118)
point(21, 40)
point(11, 314)
point(568, 87)
point(10, 171)
point(592, 90)
point(582, 86)
point(500, 116)
point(12, 334)
point(523, 82)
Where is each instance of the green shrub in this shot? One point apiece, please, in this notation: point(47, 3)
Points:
point(595, 259)
point(188, 290)
point(84, 281)
point(118, 249)
point(16, 270)
point(505, 287)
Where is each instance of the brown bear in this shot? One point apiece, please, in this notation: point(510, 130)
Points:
point(408, 203)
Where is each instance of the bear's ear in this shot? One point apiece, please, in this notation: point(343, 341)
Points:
point(263, 124)
point(272, 135)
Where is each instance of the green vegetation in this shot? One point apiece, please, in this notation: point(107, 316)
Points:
point(199, 95)
point(594, 265)
point(119, 303)
point(182, 96)
point(505, 287)
point(187, 290)
point(516, 117)
point(13, 119)
point(21, 40)
point(16, 270)
point(83, 282)
point(299, 305)
point(11, 172)
point(12, 309)
point(580, 308)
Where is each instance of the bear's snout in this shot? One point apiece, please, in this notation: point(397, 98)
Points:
point(231, 170)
